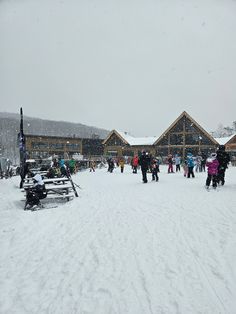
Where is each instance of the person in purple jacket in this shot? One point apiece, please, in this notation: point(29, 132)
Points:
point(212, 165)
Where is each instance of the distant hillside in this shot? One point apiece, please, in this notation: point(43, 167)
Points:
point(10, 124)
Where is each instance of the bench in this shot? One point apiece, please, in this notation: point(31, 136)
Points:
point(57, 188)
point(29, 181)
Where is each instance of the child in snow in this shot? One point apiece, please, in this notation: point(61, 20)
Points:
point(177, 162)
point(190, 163)
point(198, 163)
point(185, 167)
point(135, 164)
point(170, 163)
point(212, 165)
point(155, 170)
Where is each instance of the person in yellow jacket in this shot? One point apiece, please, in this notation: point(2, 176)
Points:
point(92, 166)
point(122, 164)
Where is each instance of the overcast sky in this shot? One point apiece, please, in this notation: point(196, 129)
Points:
point(132, 65)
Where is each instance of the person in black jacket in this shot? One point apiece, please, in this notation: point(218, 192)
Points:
point(144, 162)
point(35, 193)
point(224, 159)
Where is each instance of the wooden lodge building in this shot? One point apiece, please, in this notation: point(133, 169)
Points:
point(45, 146)
point(184, 135)
point(119, 144)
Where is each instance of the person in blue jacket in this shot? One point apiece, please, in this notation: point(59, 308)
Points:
point(190, 163)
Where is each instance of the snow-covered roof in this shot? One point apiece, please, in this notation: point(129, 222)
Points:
point(133, 141)
point(224, 140)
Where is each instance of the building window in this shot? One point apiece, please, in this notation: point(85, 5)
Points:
point(112, 153)
point(73, 146)
point(39, 145)
point(56, 146)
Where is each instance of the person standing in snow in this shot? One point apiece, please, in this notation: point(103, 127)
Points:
point(177, 162)
point(155, 170)
point(122, 164)
point(62, 166)
point(72, 165)
point(198, 163)
point(185, 167)
point(92, 166)
point(190, 163)
point(111, 165)
point(23, 173)
point(212, 165)
point(203, 162)
point(224, 159)
point(170, 163)
point(135, 164)
point(144, 162)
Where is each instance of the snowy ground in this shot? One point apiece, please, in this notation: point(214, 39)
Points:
point(121, 247)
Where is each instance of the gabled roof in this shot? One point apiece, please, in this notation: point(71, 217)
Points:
point(130, 140)
point(117, 134)
point(225, 140)
point(184, 113)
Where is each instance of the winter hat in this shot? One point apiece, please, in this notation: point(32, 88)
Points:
point(38, 179)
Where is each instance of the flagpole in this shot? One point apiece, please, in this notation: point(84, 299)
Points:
point(22, 149)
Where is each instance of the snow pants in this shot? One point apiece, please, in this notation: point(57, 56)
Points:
point(221, 176)
point(177, 168)
point(144, 174)
point(213, 178)
point(155, 175)
point(170, 168)
point(190, 171)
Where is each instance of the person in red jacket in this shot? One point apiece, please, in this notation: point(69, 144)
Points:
point(135, 164)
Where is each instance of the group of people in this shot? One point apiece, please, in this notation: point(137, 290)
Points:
point(216, 165)
point(59, 167)
point(146, 163)
point(120, 162)
point(189, 163)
